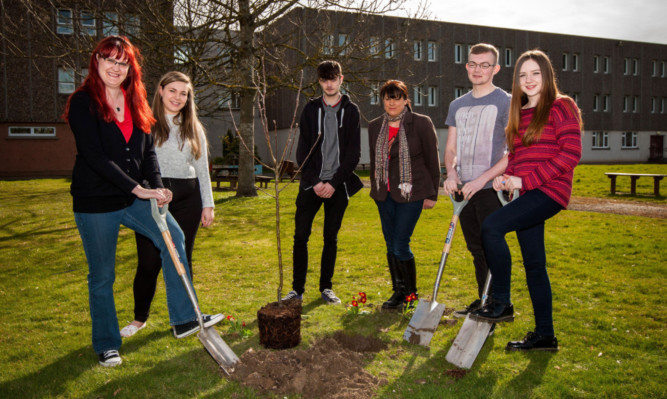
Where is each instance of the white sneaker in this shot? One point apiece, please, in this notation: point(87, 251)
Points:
point(130, 329)
point(110, 358)
point(330, 298)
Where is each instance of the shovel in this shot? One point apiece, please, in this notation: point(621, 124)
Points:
point(428, 313)
point(473, 333)
point(209, 337)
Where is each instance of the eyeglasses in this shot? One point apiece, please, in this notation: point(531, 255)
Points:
point(111, 62)
point(484, 65)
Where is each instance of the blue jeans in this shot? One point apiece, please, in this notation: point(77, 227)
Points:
point(398, 223)
point(99, 234)
point(525, 215)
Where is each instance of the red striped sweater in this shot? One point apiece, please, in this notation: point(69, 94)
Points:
point(548, 164)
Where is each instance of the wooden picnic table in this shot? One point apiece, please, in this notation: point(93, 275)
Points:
point(633, 181)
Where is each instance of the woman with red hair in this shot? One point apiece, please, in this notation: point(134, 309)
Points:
point(111, 121)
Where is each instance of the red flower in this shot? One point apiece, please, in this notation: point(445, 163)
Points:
point(363, 299)
point(355, 304)
point(243, 324)
point(362, 294)
point(354, 298)
point(229, 317)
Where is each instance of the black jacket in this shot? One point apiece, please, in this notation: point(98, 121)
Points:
point(349, 142)
point(424, 159)
point(107, 168)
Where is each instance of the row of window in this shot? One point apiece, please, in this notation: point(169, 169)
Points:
point(66, 19)
point(601, 140)
point(602, 103)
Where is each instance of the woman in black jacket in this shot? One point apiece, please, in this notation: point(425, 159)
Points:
point(405, 175)
point(111, 122)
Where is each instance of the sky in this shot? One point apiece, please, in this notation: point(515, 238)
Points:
point(632, 20)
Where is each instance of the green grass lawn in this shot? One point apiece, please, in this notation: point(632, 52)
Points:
point(607, 271)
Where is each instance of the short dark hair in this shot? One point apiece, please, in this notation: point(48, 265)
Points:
point(483, 48)
point(329, 70)
point(394, 89)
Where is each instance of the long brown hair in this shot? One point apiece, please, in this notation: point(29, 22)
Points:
point(118, 47)
point(190, 126)
point(548, 95)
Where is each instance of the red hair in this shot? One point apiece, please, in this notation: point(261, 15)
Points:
point(118, 47)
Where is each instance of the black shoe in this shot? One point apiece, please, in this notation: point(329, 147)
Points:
point(395, 301)
point(534, 342)
point(495, 312)
point(471, 308)
point(189, 328)
point(110, 358)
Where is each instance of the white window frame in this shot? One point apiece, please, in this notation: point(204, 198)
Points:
point(432, 51)
point(626, 103)
point(389, 49)
point(654, 68)
point(328, 44)
point(596, 64)
point(88, 23)
point(626, 66)
point(459, 91)
point(566, 57)
point(635, 66)
point(110, 24)
point(418, 96)
point(374, 46)
point(606, 103)
point(35, 131)
point(654, 105)
point(575, 62)
point(600, 140)
point(375, 94)
point(575, 97)
point(66, 82)
point(635, 104)
point(418, 50)
point(596, 102)
point(458, 53)
point(663, 69)
point(508, 57)
point(633, 140)
point(229, 100)
point(65, 25)
point(433, 96)
point(606, 65)
point(343, 43)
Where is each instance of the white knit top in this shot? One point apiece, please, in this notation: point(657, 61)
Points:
point(181, 164)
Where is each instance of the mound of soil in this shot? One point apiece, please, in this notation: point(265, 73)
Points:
point(331, 368)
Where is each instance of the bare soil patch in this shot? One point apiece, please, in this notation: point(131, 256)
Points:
point(620, 207)
point(331, 368)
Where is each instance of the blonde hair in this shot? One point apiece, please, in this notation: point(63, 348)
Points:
point(190, 126)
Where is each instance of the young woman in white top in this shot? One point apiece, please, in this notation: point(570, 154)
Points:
point(181, 147)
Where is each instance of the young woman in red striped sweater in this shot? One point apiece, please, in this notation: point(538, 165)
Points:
point(544, 143)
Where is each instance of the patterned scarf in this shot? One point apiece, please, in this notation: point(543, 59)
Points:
point(382, 148)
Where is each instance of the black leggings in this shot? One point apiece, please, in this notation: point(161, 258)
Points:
point(186, 208)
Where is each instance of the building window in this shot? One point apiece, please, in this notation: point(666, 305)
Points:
point(629, 140)
point(181, 54)
point(458, 92)
point(626, 103)
point(654, 68)
point(662, 105)
point(230, 100)
point(458, 53)
point(508, 57)
point(32, 131)
point(565, 59)
point(418, 95)
point(596, 102)
point(626, 66)
point(110, 24)
point(600, 140)
point(88, 25)
point(606, 103)
point(327, 45)
point(133, 25)
point(663, 69)
point(65, 80)
point(635, 66)
point(432, 51)
point(607, 64)
point(575, 62)
point(65, 22)
point(432, 96)
point(343, 43)
point(374, 46)
point(418, 50)
point(635, 104)
point(375, 94)
point(596, 64)
point(654, 105)
point(389, 49)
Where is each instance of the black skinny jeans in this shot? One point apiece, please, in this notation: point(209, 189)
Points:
point(186, 208)
point(481, 205)
point(307, 206)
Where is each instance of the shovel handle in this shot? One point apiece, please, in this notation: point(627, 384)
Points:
point(501, 196)
point(160, 217)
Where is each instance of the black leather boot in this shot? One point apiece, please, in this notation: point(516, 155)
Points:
point(409, 270)
point(397, 284)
